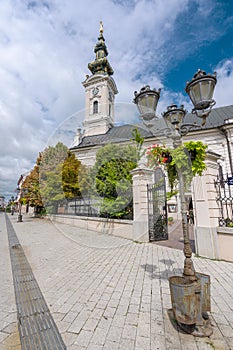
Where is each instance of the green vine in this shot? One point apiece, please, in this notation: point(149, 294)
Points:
point(181, 161)
point(172, 193)
point(172, 178)
point(199, 148)
point(187, 158)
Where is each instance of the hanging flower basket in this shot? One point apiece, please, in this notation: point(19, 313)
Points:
point(188, 157)
point(158, 155)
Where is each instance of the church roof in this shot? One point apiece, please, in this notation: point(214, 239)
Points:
point(116, 134)
point(217, 117)
point(123, 133)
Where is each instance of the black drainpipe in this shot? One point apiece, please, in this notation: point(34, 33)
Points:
point(224, 132)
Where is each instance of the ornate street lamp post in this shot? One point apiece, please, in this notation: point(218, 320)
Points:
point(21, 192)
point(200, 90)
point(20, 216)
point(190, 313)
point(146, 101)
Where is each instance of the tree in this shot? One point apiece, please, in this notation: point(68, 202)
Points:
point(52, 156)
point(51, 175)
point(31, 189)
point(61, 176)
point(73, 176)
point(113, 180)
point(56, 175)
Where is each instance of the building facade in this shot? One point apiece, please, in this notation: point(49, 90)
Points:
point(99, 129)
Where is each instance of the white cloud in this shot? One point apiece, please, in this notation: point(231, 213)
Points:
point(224, 87)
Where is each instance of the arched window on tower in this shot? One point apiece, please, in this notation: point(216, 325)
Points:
point(95, 107)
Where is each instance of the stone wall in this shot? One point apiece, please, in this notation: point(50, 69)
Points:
point(225, 240)
point(119, 228)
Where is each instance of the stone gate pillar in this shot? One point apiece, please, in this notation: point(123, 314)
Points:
point(206, 210)
point(141, 178)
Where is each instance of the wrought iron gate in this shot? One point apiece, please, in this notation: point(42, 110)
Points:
point(157, 208)
point(224, 188)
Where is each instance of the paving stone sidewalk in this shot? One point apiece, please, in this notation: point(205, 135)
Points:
point(106, 292)
point(9, 335)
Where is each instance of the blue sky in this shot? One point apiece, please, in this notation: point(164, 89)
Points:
point(207, 41)
point(45, 47)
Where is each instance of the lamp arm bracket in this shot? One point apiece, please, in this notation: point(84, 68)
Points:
point(185, 128)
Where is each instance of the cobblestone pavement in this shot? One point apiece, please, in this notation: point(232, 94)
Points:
point(106, 292)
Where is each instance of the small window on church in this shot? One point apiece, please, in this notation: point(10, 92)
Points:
point(109, 110)
point(95, 107)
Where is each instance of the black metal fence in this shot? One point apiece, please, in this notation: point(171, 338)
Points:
point(224, 188)
point(78, 206)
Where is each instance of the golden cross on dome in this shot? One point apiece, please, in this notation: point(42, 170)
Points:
point(101, 27)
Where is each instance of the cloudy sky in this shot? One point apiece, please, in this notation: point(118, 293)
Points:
point(46, 45)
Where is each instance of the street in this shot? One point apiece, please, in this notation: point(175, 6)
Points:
point(105, 292)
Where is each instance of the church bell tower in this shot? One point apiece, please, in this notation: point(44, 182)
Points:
point(100, 89)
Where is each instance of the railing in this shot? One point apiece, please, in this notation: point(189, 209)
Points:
point(90, 207)
point(224, 188)
point(78, 206)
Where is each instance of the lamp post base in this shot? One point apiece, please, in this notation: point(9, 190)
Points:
point(20, 218)
point(203, 330)
point(190, 303)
